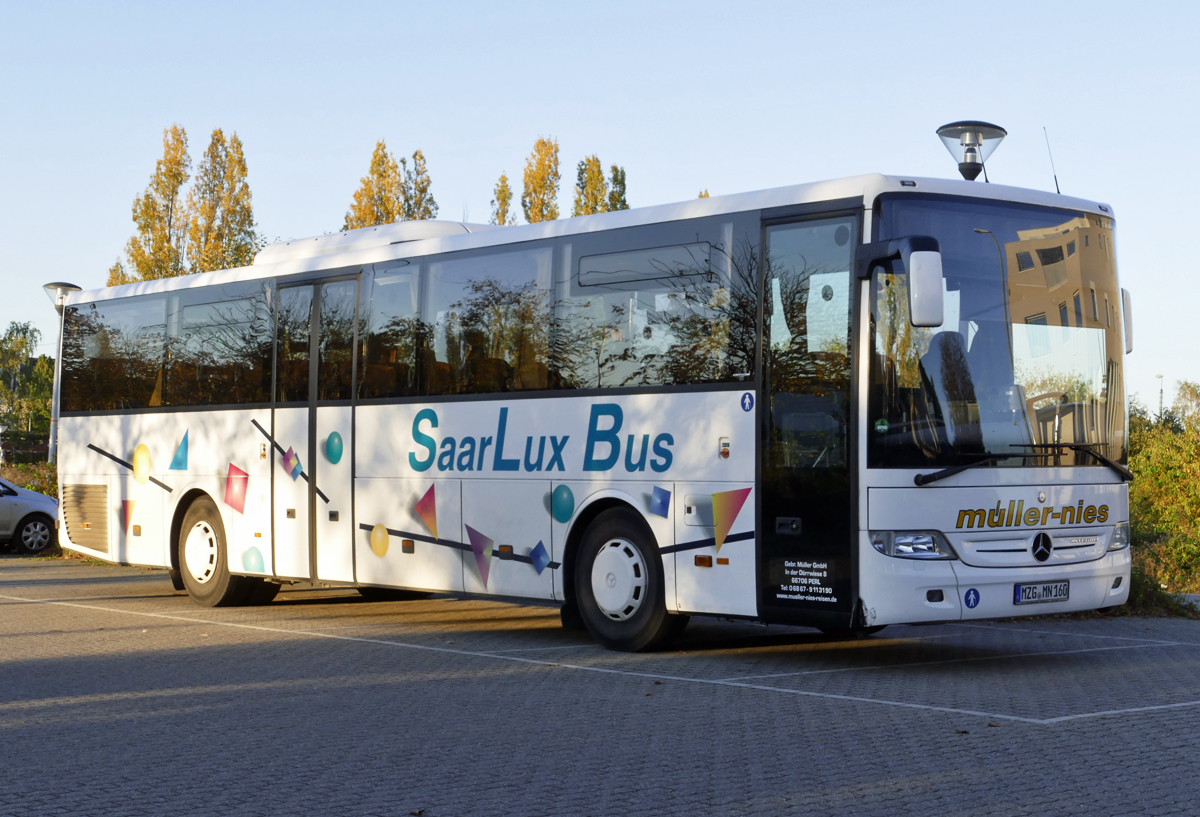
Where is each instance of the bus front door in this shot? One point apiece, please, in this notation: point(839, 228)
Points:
point(806, 566)
point(313, 430)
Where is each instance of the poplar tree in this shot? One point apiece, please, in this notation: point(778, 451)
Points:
point(221, 226)
point(539, 199)
point(591, 188)
point(379, 198)
point(391, 191)
point(418, 199)
point(616, 190)
point(502, 212)
point(703, 194)
point(159, 247)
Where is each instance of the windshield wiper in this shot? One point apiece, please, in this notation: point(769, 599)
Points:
point(1088, 448)
point(925, 479)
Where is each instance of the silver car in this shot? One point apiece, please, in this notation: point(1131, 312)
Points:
point(27, 518)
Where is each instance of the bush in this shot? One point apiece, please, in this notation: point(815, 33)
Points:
point(1164, 503)
point(40, 476)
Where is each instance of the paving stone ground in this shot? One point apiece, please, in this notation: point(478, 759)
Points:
point(119, 696)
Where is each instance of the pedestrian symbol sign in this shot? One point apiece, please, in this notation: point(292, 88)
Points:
point(972, 598)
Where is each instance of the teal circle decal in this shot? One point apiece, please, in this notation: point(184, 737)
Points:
point(562, 503)
point(333, 448)
point(252, 561)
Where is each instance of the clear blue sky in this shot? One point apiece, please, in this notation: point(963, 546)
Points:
point(725, 96)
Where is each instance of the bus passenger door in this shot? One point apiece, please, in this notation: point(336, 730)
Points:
point(806, 564)
point(313, 430)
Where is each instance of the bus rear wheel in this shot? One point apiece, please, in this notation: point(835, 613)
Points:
point(619, 584)
point(203, 560)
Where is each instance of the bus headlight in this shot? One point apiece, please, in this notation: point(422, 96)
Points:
point(1120, 537)
point(912, 544)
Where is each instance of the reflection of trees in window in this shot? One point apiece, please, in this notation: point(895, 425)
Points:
point(336, 341)
point(218, 352)
point(292, 342)
point(113, 361)
point(675, 322)
point(501, 331)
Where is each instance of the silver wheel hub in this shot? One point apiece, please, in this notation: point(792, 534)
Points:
point(200, 552)
point(619, 579)
point(35, 536)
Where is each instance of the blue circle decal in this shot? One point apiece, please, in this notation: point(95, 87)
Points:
point(562, 504)
point(333, 448)
point(971, 598)
point(747, 401)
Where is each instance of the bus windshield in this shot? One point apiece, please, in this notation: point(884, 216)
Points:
point(1029, 354)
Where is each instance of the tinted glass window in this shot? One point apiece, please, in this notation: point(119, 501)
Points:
point(393, 334)
point(113, 354)
point(485, 322)
point(293, 335)
point(218, 345)
point(658, 305)
point(339, 300)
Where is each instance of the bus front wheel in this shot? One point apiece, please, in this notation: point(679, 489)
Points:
point(619, 584)
point(203, 560)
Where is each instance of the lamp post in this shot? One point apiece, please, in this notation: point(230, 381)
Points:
point(1160, 396)
point(3, 428)
point(57, 293)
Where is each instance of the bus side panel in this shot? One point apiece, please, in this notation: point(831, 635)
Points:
point(499, 511)
point(148, 462)
point(711, 579)
point(408, 508)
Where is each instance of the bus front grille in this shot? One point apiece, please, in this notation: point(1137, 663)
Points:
point(85, 513)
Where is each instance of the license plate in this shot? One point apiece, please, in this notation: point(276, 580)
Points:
point(1040, 592)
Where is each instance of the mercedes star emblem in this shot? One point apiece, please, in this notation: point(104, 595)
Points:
point(1042, 546)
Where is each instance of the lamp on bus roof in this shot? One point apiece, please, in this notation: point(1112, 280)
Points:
point(971, 143)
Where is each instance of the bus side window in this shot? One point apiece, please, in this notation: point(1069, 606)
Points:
point(113, 354)
point(485, 322)
point(657, 306)
point(393, 334)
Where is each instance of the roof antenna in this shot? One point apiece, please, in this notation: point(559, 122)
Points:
point(1052, 170)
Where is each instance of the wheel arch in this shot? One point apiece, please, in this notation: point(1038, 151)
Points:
point(35, 514)
point(591, 508)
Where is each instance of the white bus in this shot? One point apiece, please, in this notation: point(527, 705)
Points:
point(843, 405)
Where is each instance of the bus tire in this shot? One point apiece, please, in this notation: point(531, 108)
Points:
point(261, 592)
point(35, 534)
point(619, 583)
point(203, 560)
point(391, 594)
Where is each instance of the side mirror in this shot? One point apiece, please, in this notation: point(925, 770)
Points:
point(1127, 318)
point(926, 304)
point(922, 257)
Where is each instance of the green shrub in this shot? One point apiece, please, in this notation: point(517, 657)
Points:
point(38, 476)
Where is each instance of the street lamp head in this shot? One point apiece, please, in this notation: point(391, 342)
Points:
point(971, 142)
point(57, 293)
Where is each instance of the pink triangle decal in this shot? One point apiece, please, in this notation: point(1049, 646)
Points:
point(726, 507)
point(426, 508)
point(481, 546)
point(126, 513)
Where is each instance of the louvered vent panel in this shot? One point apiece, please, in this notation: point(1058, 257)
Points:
point(85, 513)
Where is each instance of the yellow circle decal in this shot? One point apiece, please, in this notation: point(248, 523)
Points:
point(379, 540)
point(141, 464)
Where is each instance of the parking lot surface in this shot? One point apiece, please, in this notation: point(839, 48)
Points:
point(119, 696)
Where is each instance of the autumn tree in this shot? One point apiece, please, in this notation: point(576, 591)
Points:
point(502, 212)
point(159, 248)
point(591, 188)
point(221, 224)
point(391, 191)
point(703, 194)
point(1187, 403)
point(379, 198)
point(418, 199)
point(539, 199)
point(616, 190)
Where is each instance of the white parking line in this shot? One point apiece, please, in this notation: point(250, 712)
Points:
point(736, 684)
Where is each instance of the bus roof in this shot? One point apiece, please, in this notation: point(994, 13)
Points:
point(372, 245)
